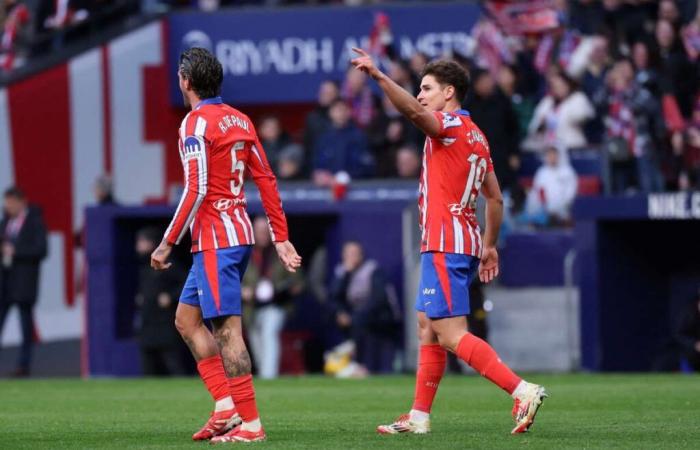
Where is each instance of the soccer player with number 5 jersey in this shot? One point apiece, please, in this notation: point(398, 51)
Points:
point(456, 168)
point(219, 148)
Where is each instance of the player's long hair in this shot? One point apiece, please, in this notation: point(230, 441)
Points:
point(203, 71)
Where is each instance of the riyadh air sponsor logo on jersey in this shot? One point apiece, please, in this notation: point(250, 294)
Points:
point(196, 38)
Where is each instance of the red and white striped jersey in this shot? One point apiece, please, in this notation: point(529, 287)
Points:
point(454, 166)
point(219, 148)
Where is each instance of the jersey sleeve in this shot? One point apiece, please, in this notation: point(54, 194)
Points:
point(265, 179)
point(194, 152)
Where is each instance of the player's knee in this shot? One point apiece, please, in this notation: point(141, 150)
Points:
point(448, 341)
point(185, 325)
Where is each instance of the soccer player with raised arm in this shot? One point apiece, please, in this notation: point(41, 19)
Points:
point(456, 167)
point(219, 149)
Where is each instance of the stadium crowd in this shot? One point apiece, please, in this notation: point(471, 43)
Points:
point(618, 79)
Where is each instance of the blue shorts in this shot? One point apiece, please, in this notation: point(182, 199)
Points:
point(214, 281)
point(443, 290)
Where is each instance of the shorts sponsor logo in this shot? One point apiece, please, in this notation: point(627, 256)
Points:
point(429, 291)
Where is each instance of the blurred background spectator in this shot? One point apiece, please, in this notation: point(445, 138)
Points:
point(23, 246)
point(343, 147)
point(366, 309)
point(560, 117)
point(157, 297)
point(271, 291)
point(553, 191)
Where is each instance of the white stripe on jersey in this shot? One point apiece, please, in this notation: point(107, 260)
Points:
point(459, 235)
point(424, 211)
point(200, 127)
point(480, 241)
point(471, 237)
point(442, 237)
point(202, 190)
point(255, 150)
point(213, 234)
point(245, 228)
point(183, 128)
point(230, 229)
point(250, 227)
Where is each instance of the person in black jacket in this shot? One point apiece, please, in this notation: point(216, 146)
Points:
point(494, 113)
point(23, 246)
point(156, 298)
point(366, 309)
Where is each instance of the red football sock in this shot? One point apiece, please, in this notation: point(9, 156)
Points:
point(483, 358)
point(243, 393)
point(431, 367)
point(211, 370)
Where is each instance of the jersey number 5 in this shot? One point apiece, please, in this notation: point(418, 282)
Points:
point(237, 169)
point(477, 173)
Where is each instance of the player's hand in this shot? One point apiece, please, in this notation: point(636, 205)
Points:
point(364, 63)
point(288, 255)
point(160, 256)
point(488, 268)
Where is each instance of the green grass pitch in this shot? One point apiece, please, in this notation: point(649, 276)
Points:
point(583, 411)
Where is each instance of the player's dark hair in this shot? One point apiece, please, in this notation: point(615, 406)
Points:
point(448, 72)
point(14, 192)
point(203, 71)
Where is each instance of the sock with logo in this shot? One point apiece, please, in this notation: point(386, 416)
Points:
point(432, 361)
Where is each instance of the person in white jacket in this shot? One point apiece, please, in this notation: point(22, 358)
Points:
point(560, 116)
point(553, 190)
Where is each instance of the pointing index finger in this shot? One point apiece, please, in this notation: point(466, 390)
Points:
point(359, 51)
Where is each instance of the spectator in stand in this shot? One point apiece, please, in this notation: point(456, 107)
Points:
point(386, 134)
point(494, 114)
point(273, 139)
point(553, 192)
point(357, 93)
point(523, 102)
point(678, 75)
point(408, 163)
point(560, 116)
point(16, 23)
point(366, 308)
point(668, 10)
point(593, 85)
point(271, 290)
point(635, 130)
point(417, 63)
point(690, 172)
point(156, 298)
point(343, 148)
point(318, 122)
point(290, 163)
point(691, 38)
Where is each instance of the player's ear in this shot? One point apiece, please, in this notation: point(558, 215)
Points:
point(449, 92)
